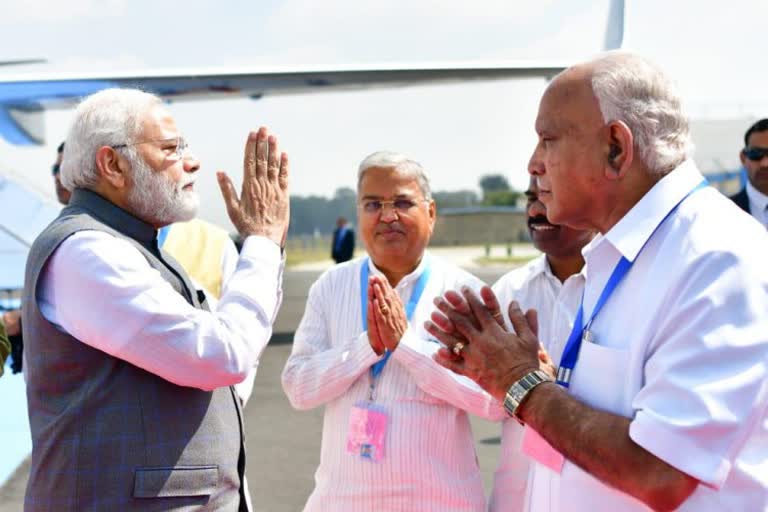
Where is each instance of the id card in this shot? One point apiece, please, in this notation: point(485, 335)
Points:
point(367, 431)
point(537, 448)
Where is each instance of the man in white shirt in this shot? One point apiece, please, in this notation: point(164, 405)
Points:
point(662, 388)
point(552, 284)
point(396, 435)
point(753, 198)
point(129, 374)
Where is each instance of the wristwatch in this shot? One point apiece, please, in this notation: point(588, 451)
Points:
point(520, 389)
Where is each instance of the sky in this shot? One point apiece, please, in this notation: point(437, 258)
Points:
point(458, 132)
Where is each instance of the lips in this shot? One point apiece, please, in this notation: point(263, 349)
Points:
point(539, 224)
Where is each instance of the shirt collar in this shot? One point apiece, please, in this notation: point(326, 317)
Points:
point(631, 233)
point(113, 215)
point(541, 266)
point(406, 279)
point(757, 197)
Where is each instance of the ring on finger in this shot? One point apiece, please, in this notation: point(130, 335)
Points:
point(457, 348)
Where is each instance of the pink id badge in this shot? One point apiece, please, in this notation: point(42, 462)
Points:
point(537, 448)
point(367, 431)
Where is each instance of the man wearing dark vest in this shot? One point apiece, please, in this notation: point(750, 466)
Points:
point(753, 198)
point(130, 376)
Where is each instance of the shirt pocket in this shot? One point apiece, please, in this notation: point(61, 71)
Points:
point(600, 377)
point(175, 481)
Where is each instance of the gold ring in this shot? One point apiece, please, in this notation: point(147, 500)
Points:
point(497, 315)
point(457, 348)
point(384, 309)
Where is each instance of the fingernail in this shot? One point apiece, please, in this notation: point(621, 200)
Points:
point(514, 304)
point(465, 289)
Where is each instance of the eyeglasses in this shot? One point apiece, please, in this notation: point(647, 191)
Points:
point(755, 154)
point(55, 169)
point(176, 146)
point(402, 206)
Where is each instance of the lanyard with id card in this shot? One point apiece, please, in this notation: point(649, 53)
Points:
point(536, 446)
point(368, 420)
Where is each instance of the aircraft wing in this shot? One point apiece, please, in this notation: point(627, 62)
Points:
point(24, 215)
point(23, 99)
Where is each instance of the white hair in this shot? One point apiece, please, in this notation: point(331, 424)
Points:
point(631, 89)
point(399, 162)
point(107, 118)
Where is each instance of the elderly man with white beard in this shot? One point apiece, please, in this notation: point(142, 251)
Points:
point(130, 375)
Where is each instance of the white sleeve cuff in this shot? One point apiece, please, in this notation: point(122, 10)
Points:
point(679, 450)
point(363, 353)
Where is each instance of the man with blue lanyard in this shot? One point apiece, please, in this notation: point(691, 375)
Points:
point(659, 401)
point(396, 435)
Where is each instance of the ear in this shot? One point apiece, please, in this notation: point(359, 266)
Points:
point(743, 158)
point(620, 150)
point(112, 167)
point(432, 212)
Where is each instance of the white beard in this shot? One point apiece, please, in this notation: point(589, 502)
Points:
point(157, 200)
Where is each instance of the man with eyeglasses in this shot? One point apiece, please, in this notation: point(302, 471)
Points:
point(753, 198)
point(129, 374)
point(396, 435)
point(204, 250)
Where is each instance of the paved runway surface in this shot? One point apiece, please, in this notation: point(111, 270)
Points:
point(283, 444)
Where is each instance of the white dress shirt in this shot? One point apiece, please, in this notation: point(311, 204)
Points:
point(430, 462)
point(681, 348)
point(101, 290)
point(533, 286)
point(758, 204)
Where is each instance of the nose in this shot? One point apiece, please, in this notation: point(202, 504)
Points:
point(388, 213)
point(536, 163)
point(190, 162)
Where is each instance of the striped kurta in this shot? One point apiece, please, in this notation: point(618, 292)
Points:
point(430, 462)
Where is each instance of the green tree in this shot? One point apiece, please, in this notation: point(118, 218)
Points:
point(497, 192)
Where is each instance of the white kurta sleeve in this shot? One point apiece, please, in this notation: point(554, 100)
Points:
point(101, 290)
point(319, 370)
point(415, 354)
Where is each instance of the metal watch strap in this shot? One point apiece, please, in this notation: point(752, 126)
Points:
point(520, 389)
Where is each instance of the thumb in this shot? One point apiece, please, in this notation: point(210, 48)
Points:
point(229, 194)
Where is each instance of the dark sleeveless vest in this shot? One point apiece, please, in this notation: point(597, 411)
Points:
point(108, 435)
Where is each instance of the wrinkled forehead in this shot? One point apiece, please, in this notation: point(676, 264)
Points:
point(158, 124)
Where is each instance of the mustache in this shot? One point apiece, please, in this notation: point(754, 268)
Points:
point(186, 180)
point(539, 219)
point(395, 226)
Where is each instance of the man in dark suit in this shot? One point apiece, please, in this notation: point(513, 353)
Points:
point(753, 198)
point(343, 245)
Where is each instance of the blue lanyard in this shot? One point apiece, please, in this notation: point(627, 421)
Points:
point(579, 333)
point(418, 289)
